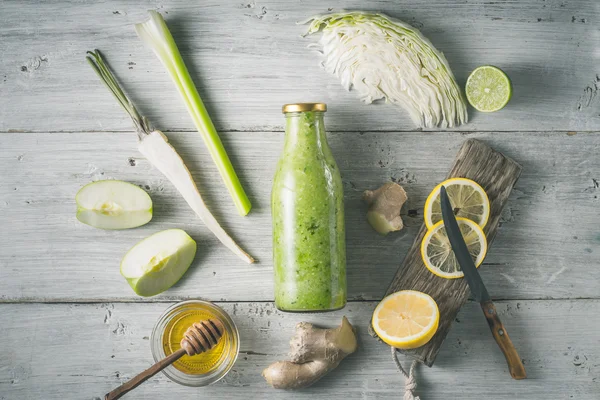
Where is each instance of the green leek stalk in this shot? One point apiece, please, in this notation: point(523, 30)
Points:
point(155, 33)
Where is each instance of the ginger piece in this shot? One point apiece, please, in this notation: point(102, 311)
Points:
point(384, 207)
point(314, 352)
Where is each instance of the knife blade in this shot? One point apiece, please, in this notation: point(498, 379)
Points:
point(467, 265)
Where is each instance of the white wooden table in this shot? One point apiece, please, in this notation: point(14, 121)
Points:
point(71, 328)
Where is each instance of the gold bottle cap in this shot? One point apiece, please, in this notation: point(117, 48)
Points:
point(300, 107)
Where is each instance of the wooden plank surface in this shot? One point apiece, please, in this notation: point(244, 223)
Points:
point(60, 129)
point(80, 351)
point(248, 59)
point(497, 174)
point(545, 248)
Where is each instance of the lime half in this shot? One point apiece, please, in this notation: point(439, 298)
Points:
point(488, 89)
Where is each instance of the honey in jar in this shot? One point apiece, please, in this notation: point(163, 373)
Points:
point(204, 368)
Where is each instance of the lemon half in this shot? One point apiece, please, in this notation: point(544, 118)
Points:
point(407, 319)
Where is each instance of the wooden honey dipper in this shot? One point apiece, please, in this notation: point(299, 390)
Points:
point(198, 338)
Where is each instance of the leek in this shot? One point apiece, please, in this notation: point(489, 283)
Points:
point(383, 58)
point(155, 146)
point(155, 33)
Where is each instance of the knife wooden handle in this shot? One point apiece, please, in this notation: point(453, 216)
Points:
point(515, 365)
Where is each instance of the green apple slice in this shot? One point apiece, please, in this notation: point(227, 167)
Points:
point(112, 204)
point(158, 262)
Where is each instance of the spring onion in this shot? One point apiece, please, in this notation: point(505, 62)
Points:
point(383, 58)
point(155, 146)
point(155, 33)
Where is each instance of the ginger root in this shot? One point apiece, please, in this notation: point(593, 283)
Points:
point(314, 352)
point(384, 207)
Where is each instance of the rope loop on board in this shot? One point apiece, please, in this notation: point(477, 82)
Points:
point(410, 383)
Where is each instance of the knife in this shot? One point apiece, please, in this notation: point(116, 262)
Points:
point(515, 365)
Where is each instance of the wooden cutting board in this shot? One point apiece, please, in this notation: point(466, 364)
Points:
point(497, 174)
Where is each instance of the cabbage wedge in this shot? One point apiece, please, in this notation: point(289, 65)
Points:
point(383, 58)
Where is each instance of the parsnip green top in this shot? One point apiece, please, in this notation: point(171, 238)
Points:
point(308, 220)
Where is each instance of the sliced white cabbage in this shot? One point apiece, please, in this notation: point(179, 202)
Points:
point(113, 204)
point(383, 58)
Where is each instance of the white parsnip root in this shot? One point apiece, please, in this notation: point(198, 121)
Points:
point(385, 204)
point(314, 352)
point(155, 146)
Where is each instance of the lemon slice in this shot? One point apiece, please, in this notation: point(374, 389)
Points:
point(437, 252)
point(407, 319)
point(468, 200)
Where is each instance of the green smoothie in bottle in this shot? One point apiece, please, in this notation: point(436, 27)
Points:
point(307, 205)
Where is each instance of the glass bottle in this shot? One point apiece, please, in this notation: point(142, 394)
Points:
point(307, 205)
